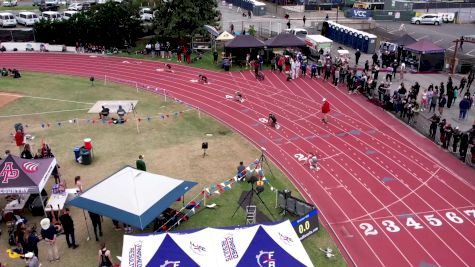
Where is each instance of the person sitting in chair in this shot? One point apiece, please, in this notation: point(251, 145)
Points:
point(121, 113)
point(272, 120)
point(4, 72)
point(104, 114)
point(203, 78)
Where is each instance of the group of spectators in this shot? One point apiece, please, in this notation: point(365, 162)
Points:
point(165, 50)
point(406, 102)
point(10, 72)
point(96, 49)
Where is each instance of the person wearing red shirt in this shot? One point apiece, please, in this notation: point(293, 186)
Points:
point(325, 110)
point(19, 139)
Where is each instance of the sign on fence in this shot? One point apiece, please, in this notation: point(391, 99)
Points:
point(359, 13)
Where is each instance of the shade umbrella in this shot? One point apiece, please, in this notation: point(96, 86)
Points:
point(225, 36)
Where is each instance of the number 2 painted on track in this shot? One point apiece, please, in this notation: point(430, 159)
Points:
point(368, 229)
point(300, 157)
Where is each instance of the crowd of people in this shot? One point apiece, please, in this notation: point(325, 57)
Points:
point(96, 49)
point(405, 102)
point(165, 50)
point(14, 73)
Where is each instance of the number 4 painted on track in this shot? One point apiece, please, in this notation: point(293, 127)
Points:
point(470, 212)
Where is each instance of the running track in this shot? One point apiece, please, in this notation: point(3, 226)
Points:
point(389, 196)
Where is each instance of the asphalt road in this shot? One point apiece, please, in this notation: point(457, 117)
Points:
point(442, 35)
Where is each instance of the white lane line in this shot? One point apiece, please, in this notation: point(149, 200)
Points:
point(438, 41)
point(422, 37)
point(469, 53)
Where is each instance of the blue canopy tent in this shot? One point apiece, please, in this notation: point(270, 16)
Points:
point(131, 196)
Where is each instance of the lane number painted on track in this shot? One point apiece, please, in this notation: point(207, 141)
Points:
point(300, 157)
point(263, 120)
point(368, 229)
point(229, 97)
point(393, 227)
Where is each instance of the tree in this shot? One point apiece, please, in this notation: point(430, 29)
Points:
point(181, 19)
point(111, 25)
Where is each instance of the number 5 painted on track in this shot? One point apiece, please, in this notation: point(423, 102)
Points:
point(432, 220)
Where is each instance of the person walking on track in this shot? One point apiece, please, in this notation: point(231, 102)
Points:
point(325, 110)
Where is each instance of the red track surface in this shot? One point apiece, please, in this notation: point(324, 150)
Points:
point(389, 196)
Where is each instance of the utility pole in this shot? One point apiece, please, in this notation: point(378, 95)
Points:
point(452, 71)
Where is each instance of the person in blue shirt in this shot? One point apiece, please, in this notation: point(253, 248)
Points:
point(314, 71)
point(303, 67)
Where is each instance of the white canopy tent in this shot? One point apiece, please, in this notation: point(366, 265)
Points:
point(132, 196)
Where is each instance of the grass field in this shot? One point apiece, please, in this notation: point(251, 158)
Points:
point(18, 8)
point(171, 147)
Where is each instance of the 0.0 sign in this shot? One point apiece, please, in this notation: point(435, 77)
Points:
point(303, 228)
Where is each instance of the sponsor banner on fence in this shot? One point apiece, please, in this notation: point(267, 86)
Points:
point(359, 13)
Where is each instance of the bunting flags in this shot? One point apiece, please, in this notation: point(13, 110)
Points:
point(77, 121)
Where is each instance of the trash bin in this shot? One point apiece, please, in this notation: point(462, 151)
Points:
point(85, 156)
point(77, 153)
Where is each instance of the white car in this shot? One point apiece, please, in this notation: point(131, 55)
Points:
point(427, 19)
point(7, 19)
point(301, 33)
point(27, 18)
point(52, 2)
point(51, 15)
point(146, 14)
point(75, 7)
point(10, 3)
point(68, 14)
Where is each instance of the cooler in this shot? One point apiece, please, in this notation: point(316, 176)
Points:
point(85, 156)
point(77, 153)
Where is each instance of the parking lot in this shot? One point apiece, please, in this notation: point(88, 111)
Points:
point(442, 35)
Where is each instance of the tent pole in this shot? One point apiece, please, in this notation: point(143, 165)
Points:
point(43, 204)
point(87, 227)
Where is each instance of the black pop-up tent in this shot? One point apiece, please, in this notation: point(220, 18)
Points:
point(404, 40)
point(242, 45)
point(426, 56)
point(284, 40)
point(244, 41)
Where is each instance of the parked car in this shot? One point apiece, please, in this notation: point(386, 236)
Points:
point(38, 2)
point(301, 33)
point(68, 14)
point(88, 5)
point(146, 14)
point(51, 15)
point(7, 19)
point(49, 7)
point(427, 19)
point(10, 3)
point(75, 6)
point(54, 2)
point(27, 18)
